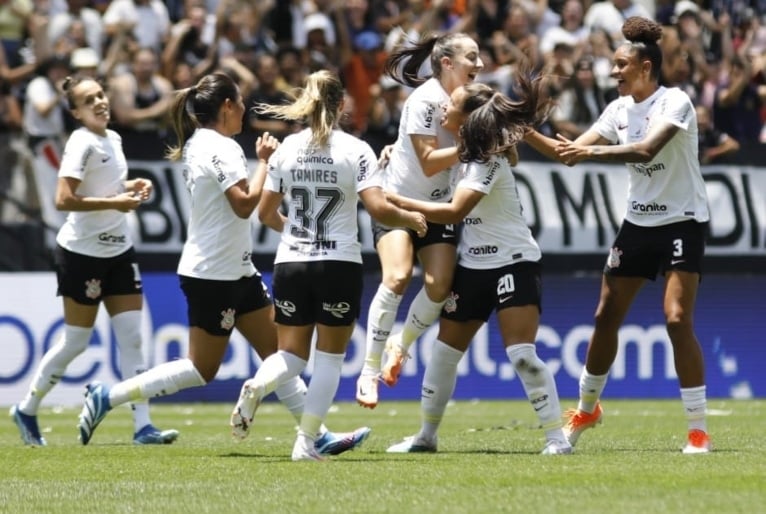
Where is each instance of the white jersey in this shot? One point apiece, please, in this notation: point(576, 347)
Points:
point(218, 245)
point(669, 188)
point(321, 187)
point(421, 115)
point(495, 232)
point(99, 164)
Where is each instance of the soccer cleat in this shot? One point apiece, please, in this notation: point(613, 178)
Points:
point(413, 444)
point(396, 356)
point(580, 421)
point(330, 443)
point(367, 391)
point(244, 411)
point(305, 449)
point(149, 434)
point(555, 447)
point(27, 425)
point(698, 442)
point(94, 410)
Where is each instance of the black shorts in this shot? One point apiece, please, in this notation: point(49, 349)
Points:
point(213, 305)
point(325, 292)
point(645, 251)
point(436, 233)
point(87, 280)
point(477, 292)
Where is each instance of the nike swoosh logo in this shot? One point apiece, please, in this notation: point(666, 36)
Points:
point(621, 127)
point(677, 261)
point(505, 299)
point(105, 159)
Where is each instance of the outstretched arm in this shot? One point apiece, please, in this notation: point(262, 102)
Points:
point(454, 211)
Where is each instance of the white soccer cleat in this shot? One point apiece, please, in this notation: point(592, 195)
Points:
point(367, 391)
point(244, 412)
point(556, 447)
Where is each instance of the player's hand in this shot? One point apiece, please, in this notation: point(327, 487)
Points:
point(265, 145)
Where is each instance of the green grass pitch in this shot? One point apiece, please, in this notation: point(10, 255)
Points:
point(487, 462)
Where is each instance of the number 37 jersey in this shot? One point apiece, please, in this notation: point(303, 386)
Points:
point(320, 188)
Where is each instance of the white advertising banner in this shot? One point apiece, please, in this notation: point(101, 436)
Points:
point(570, 210)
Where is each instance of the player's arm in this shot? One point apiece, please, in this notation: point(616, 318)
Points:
point(432, 158)
point(454, 211)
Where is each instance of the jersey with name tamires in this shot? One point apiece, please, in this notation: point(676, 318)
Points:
point(670, 187)
point(421, 115)
point(98, 162)
point(321, 186)
point(495, 232)
point(219, 244)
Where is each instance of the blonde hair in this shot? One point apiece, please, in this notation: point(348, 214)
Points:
point(318, 104)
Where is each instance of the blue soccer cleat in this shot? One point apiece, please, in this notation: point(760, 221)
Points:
point(30, 432)
point(94, 410)
point(331, 443)
point(150, 434)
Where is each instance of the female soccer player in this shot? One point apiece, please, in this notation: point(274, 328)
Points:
point(95, 260)
point(222, 287)
point(507, 278)
point(420, 167)
point(653, 130)
point(317, 285)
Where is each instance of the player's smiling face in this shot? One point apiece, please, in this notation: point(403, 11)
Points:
point(91, 106)
point(463, 67)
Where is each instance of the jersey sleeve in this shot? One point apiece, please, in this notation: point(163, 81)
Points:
point(479, 176)
point(606, 124)
point(228, 164)
point(677, 109)
point(273, 180)
point(367, 172)
point(76, 154)
point(423, 118)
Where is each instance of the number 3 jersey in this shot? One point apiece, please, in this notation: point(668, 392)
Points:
point(495, 233)
point(321, 187)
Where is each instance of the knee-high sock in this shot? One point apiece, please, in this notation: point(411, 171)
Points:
point(321, 392)
point(422, 313)
point(539, 386)
point(591, 387)
point(695, 405)
point(438, 385)
point(53, 365)
point(127, 330)
point(276, 370)
point(162, 380)
point(292, 394)
point(380, 321)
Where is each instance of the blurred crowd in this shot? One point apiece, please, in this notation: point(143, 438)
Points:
point(715, 50)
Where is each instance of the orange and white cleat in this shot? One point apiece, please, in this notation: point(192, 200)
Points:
point(579, 421)
point(698, 442)
point(396, 356)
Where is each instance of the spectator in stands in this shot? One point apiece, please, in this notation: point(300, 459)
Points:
point(609, 15)
point(571, 30)
point(738, 101)
point(140, 100)
point(79, 12)
point(10, 133)
point(518, 28)
point(266, 92)
point(292, 70)
point(318, 274)
point(190, 43)
point(654, 131)
point(95, 260)
point(15, 17)
point(487, 125)
point(44, 105)
point(713, 144)
point(222, 287)
point(580, 103)
point(362, 71)
point(420, 166)
point(385, 113)
point(147, 20)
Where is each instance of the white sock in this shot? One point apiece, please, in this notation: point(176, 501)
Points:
point(539, 386)
point(53, 366)
point(438, 385)
point(591, 387)
point(277, 369)
point(422, 313)
point(292, 394)
point(321, 391)
point(127, 330)
point(380, 321)
point(162, 380)
point(695, 406)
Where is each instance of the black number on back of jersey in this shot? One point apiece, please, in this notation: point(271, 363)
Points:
point(326, 199)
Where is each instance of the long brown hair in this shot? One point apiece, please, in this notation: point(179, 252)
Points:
point(198, 106)
point(404, 62)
